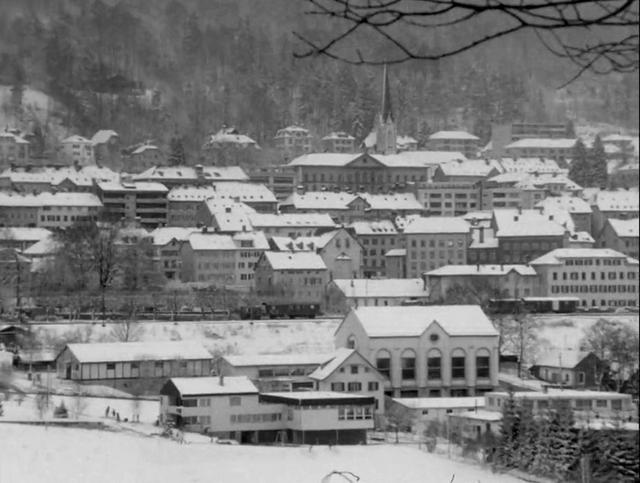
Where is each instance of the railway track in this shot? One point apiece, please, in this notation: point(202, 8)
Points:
point(187, 322)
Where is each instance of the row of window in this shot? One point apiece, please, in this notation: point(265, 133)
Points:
point(460, 242)
point(594, 275)
point(360, 177)
point(579, 404)
point(354, 412)
point(442, 254)
point(593, 289)
point(374, 241)
point(593, 261)
point(354, 386)
point(434, 367)
point(256, 418)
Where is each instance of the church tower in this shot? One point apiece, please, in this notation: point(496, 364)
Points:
point(386, 127)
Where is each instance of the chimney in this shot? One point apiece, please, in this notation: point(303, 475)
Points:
point(481, 234)
point(199, 169)
point(477, 267)
point(550, 217)
point(545, 389)
point(519, 210)
point(221, 379)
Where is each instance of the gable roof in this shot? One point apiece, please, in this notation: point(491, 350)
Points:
point(571, 204)
point(551, 143)
point(295, 261)
point(463, 135)
point(625, 228)
point(515, 223)
point(163, 235)
point(188, 173)
point(103, 135)
point(556, 256)
point(15, 233)
point(617, 200)
point(137, 351)
point(210, 386)
point(412, 321)
point(339, 358)
point(277, 359)
point(436, 224)
point(481, 270)
point(313, 220)
point(389, 287)
point(381, 227)
point(566, 359)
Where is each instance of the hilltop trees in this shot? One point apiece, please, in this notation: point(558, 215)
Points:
point(589, 166)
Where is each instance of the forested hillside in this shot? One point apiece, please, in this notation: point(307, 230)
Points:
point(165, 68)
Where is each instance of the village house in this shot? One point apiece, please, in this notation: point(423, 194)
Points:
point(129, 200)
point(233, 408)
point(434, 242)
point(621, 235)
point(167, 244)
point(553, 148)
point(339, 250)
point(145, 156)
point(599, 277)
point(66, 178)
point(459, 141)
point(578, 209)
point(293, 225)
point(133, 367)
point(173, 176)
point(462, 170)
point(569, 368)
point(423, 412)
point(293, 140)
point(21, 238)
point(338, 142)
point(434, 351)
point(274, 372)
point(229, 137)
point(77, 150)
point(48, 210)
point(299, 276)
point(106, 147)
point(346, 207)
point(500, 281)
point(376, 239)
point(348, 371)
point(13, 149)
point(225, 260)
point(621, 205)
point(224, 216)
point(345, 294)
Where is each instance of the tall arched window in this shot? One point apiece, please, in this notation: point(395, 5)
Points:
point(458, 361)
point(408, 362)
point(434, 365)
point(351, 342)
point(483, 363)
point(383, 363)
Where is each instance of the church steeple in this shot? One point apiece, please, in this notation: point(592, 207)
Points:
point(386, 127)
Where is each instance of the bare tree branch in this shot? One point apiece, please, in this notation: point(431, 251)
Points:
point(612, 27)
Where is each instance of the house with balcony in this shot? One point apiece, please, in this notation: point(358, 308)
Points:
point(425, 351)
point(552, 148)
point(129, 200)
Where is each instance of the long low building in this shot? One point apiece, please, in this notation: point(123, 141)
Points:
point(342, 295)
point(232, 407)
point(134, 367)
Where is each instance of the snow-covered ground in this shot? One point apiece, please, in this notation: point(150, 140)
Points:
point(30, 454)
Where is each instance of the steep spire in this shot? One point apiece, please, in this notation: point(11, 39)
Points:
point(387, 111)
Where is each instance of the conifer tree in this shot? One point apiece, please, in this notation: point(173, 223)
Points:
point(507, 444)
point(176, 155)
point(578, 170)
point(526, 447)
point(598, 164)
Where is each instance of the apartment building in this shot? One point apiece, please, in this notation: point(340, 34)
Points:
point(429, 351)
point(224, 260)
point(621, 235)
point(449, 198)
point(338, 142)
point(557, 149)
point(459, 141)
point(129, 200)
point(63, 178)
point(376, 239)
point(599, 277)
point(502, 281)
point(48, 210)
point(293, 140)
point(167, 243)
point(77, 150)
point(434, 242)
point(466, 170)
point(13, 149)
point(299, 276)
point(621, 205)
point(339, 250)
point(172, 176)
point(280, 180)
point(504, 134)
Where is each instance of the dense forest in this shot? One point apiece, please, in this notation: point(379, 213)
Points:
point(182, 68)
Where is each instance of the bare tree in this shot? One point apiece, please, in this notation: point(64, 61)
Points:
point(129, 330)
point(611, 27)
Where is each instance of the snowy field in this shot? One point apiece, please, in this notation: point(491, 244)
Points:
point(30, 454)
point(295, 336)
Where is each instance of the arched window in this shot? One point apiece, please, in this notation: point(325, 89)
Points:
point(383, 363)
point(458, 361)
point(483, 363)
point(351, 342)
point(408, 362)
point(434, 365)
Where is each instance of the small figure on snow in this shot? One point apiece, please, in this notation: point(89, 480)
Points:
point(106, 413)
point(118, 417)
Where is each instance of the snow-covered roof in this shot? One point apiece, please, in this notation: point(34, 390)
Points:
point(481, 270)
point(46, 246)
point(524, 223)
point(138, 186)
point(211, 386)
point(102, 136)
point(23, 233)
point(410, 159)
point(138, 351)
point(246, 192)
point(554, 393)
point(571, 204)
point(14, 137)
point(292, 129)
point(83, 176)
point(436, 224)
point(567, 359)
point(49, 199)
point(254, 360)
point(294, 260)
point(441, 402)
point(340, 135)
point(413, 321)
point(75, 139)
point(396, 252)
point(531, 165)
point(581, 237)
point(331, 365)
point(544, 143)
point(268, 220)
point(471, 167)
point(188, 173)
point(382, 227)
point(625, 228)
point(300, 397)
point(556, 256)
point(617, 200)
point(163, 235)
point(230, 136)
point(145, 147)
point(387, 287)
point(303, 243)
point(328, 200)
point(457, 135)
point(617, 138)
point(230, 216)
point(217, 241)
